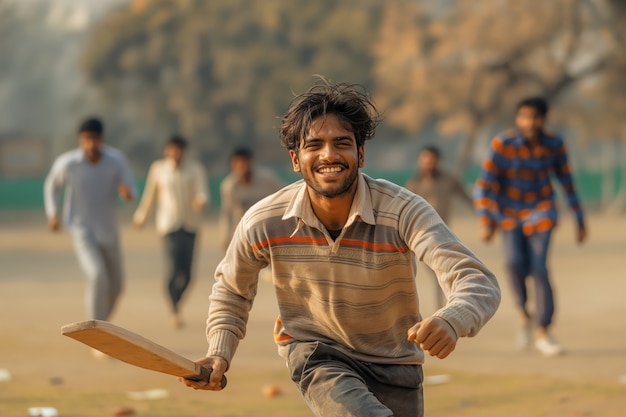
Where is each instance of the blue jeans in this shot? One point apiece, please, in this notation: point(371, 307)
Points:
point(527, 256)
point(334, 384)
point(102, 263)
point(180, 246)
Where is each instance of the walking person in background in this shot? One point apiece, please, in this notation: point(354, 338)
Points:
point(342, 247)
point(438, 188)
point(241, 188)
point(178, 185)
point(91, 178)
point(514, 193)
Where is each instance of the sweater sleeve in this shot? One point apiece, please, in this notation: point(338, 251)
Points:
point(126, 175)
point(149, 196)
point(53, 185)
point(471, 288)
point(486, 186)
point(201, 189)
point(563, 173)
point(461, 193)
point(232, 296)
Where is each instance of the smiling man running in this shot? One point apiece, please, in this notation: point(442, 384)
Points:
point(342, 248)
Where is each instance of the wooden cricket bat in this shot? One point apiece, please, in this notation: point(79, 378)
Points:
point(134, 349)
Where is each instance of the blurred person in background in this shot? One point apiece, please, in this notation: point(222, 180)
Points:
point(178, 185)
point(342, 247)
point(438, 188)
point(91, 177)
point(514, 193)
point(244, 185)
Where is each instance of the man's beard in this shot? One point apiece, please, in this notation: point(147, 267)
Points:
point(94, 154)
point(344, 188)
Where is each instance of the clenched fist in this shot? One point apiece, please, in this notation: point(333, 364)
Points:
point(435, 336)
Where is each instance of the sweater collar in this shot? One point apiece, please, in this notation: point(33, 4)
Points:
point(300, 207)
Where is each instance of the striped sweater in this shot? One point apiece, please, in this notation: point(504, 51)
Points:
point(358, 292)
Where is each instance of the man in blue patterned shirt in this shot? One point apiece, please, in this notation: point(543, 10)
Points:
point(514, 193)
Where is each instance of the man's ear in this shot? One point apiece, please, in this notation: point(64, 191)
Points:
point(294, 160)
point(361, 152)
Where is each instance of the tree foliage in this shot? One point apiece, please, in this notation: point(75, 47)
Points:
point(221, 71)
point(600, 112)
point(465, 66)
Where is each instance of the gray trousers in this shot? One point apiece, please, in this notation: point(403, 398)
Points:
point(334, 384)
point(102, 265)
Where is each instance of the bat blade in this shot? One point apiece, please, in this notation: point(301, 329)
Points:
point(129, 347)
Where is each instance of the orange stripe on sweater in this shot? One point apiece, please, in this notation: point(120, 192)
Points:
point(281, 338)
point(320, 241)
point(284, 239)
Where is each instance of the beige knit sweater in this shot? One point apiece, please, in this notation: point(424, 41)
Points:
point(358, 292)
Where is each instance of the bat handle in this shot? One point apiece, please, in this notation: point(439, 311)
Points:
point(205, 375)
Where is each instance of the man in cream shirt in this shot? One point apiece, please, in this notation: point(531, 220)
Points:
point(179, 186)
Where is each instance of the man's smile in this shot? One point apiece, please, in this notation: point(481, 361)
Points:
point(325, 170)
point(330, 169)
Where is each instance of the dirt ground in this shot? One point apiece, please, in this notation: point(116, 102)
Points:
point(41, 288)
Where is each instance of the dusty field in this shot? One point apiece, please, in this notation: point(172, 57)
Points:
point(41, 288)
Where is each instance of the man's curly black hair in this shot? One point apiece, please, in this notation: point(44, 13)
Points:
point(349, 102)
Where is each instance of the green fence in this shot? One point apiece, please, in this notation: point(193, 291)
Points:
point(27, 193)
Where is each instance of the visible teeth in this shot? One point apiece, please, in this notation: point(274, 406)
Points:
point(330, 169)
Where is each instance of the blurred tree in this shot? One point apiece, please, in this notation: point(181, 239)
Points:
point(221, 71)
point(30, 93)
point(463, 65)
point(604, 105)
point(40, 82)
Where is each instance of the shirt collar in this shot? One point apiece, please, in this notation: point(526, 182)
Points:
point(170, 164)
point(300, 206)
point(436, 174)
point(83, 156)
point(521, 139)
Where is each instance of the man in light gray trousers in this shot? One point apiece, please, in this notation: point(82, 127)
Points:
point(91, 177)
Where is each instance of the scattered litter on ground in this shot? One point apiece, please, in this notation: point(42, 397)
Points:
point(152, 394)
point(55, 380)
point(5, 375)
point(436, 379)
point(271, 390)
point(43, 412)
point(124, 411)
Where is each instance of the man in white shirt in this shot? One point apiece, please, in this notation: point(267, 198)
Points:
point(91, 177)
point(178, 184)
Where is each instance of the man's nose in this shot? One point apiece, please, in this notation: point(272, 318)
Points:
point(328, 152)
